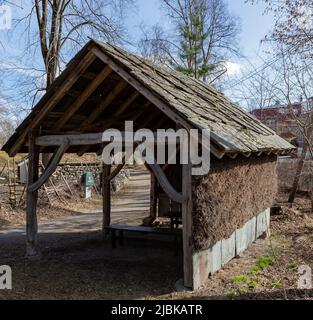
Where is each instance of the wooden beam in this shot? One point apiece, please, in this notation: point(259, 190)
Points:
point(165, 166)
point(89, 75)
point(73, 139)
point(55, 98)
point(107, 123)
point(84, 149)
point(126, 104)
point(232, 155)
point(148, 168)
point(106, 197)
point(92, 138)
point(75, 94)
point(153, 197)
point(105, 103)
point(83, 97)
point(146, 121)
point(163, 120)
point(187, 224)
point(53, 116)
point(219, 154)
point(141, 88)
point(116, 171)
point(50, 168)
point(247, 154)
point(32, 197)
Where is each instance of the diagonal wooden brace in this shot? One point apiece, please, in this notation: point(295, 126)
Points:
point(165, 184)
point(51, 167)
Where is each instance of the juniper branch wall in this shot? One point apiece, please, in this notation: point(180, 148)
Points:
point(234, 196)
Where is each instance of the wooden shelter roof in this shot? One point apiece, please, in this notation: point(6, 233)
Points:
point(104, 85)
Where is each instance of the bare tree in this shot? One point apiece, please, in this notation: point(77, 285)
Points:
point(6, 125)
point(258, 91)
point(62, 21)
point(297, 80)
point(58, 27)
point(293, 31)
point(293, 24)
point(201, 38)
point(156, 46)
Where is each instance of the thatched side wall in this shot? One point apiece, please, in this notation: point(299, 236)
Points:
point(231, 194)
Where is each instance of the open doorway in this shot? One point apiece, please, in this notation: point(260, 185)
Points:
point(144, 211)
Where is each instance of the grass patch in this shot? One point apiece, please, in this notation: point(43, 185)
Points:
point(240, 278)
point(247, 283)
point(231, 294)
point(242, 291)
point(276, 284)
point(292, 265)
point(252, 284)
point(262, 264)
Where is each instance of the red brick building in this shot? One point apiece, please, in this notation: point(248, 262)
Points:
point(283, 120)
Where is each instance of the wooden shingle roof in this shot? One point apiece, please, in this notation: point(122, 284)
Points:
point(232, 129)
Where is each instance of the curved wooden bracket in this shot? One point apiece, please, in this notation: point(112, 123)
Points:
point(51, 167)
point(116, 171)
point(165, 184)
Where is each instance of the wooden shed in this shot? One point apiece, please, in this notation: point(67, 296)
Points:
point(102, 87)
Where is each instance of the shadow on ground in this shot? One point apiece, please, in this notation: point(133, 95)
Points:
point(83, 266)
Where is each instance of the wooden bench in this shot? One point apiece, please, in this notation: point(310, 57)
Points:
point(120, 228)
point(176, 218)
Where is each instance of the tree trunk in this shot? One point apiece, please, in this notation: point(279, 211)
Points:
point(296, 180)
point(311, 183)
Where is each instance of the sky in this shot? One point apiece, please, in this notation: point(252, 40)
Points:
point(254, 27)
point(254, 24)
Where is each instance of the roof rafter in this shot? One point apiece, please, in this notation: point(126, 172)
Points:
point(105, 103)
point(118, 112)
point(83, 97)
point(85, 149)
point(141, 88)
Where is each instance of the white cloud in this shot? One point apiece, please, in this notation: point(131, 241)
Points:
point(232, 68)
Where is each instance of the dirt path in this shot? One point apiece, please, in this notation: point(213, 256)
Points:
point(77, 263)
point(130, 207)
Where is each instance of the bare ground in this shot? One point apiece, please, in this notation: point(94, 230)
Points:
point(77, 264)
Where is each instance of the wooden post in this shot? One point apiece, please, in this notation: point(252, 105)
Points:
point(187, 224)
point(106, 196)
point(32, 197)
point(153, 198)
